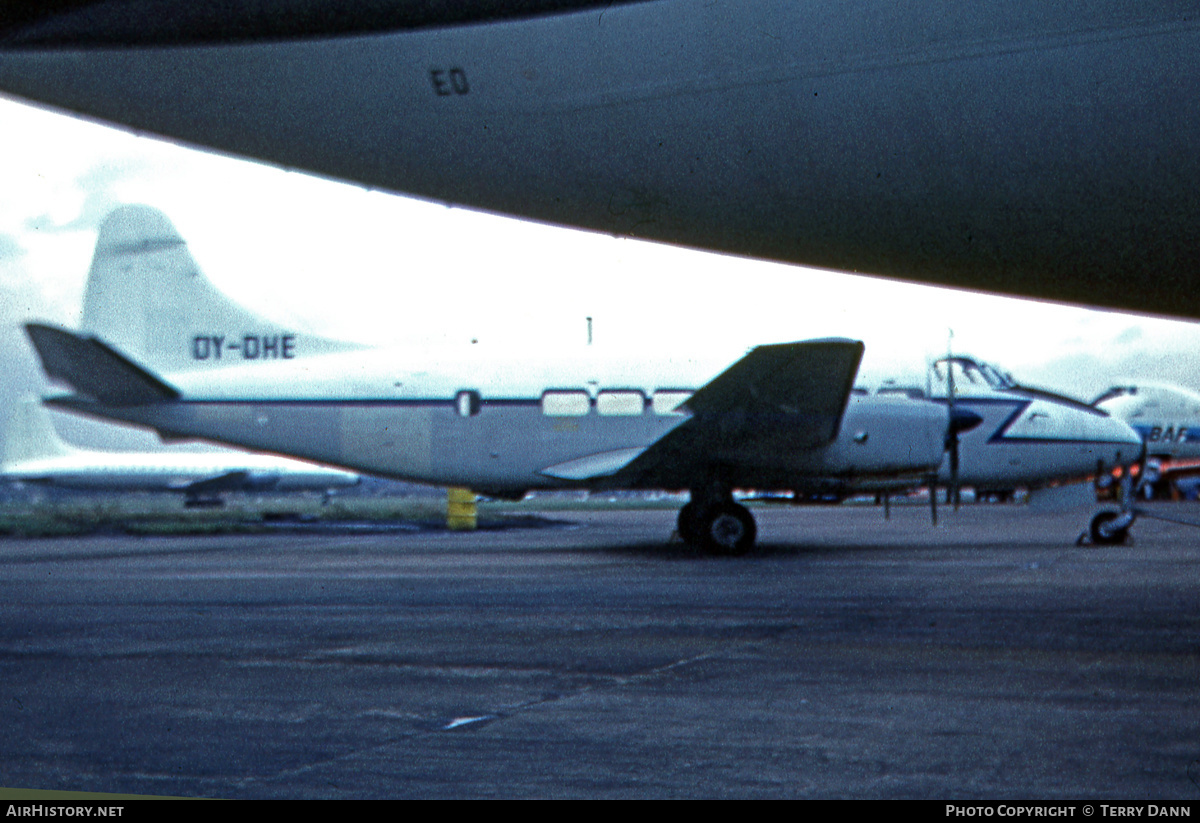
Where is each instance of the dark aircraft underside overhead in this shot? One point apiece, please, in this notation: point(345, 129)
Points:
point(1045, 149)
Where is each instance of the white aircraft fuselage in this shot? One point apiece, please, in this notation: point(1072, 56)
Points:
point(1038, 148)
point(776, 417)
point(538, 422)
point(366, 411)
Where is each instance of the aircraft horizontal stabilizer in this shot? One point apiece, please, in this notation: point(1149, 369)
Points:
point(92, 368)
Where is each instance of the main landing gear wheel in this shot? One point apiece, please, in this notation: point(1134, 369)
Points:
point(730, 529)
point(1105, 537)
point(687, 524)
point(720, 528)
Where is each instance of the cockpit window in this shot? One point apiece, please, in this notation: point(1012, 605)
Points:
point(974, 375)
point(967, 371)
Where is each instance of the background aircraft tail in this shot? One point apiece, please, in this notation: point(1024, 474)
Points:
point(31, 435)
point(146, 296)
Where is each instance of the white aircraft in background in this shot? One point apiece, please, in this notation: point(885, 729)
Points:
point(34, 453)
point(1168, 419)
point(779, 417)
point(1048, 148)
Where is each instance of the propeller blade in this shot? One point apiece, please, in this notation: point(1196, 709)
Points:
point(954, 496)
point(951, 430)
point(961, 420)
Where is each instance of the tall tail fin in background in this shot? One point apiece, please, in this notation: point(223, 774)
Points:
point(31, 435)
point(146, 296)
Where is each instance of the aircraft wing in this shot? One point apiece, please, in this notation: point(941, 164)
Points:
point(92, 368)
point(776, 399)
point(811, 379)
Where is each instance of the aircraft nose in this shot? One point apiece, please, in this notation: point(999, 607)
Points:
point(1115, 443)
point(1124, 434)
point(1080, 440)
point(1134, 445)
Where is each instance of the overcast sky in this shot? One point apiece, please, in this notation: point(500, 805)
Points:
point(348, 262)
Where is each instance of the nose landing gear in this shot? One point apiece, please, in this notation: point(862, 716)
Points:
point(1109, 528)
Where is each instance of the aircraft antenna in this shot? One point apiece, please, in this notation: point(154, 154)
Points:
point(953, 424)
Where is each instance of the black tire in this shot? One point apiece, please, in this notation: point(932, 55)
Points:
point(687, 526)
point(727, 529)
point(1099, 538)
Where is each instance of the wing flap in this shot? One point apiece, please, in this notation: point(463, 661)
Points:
point(593, 466)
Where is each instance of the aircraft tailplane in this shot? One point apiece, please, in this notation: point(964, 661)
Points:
point(146, 296)
point(93, 369)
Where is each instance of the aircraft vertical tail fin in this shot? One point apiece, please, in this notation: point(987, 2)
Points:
point(146, 296)
point(31, 435)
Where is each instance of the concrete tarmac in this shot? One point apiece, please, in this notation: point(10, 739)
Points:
point(848, 656)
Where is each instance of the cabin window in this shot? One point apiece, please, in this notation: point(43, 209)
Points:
point(668, 402)
point(468, 403)
point(623, 403)
point(565, 403)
